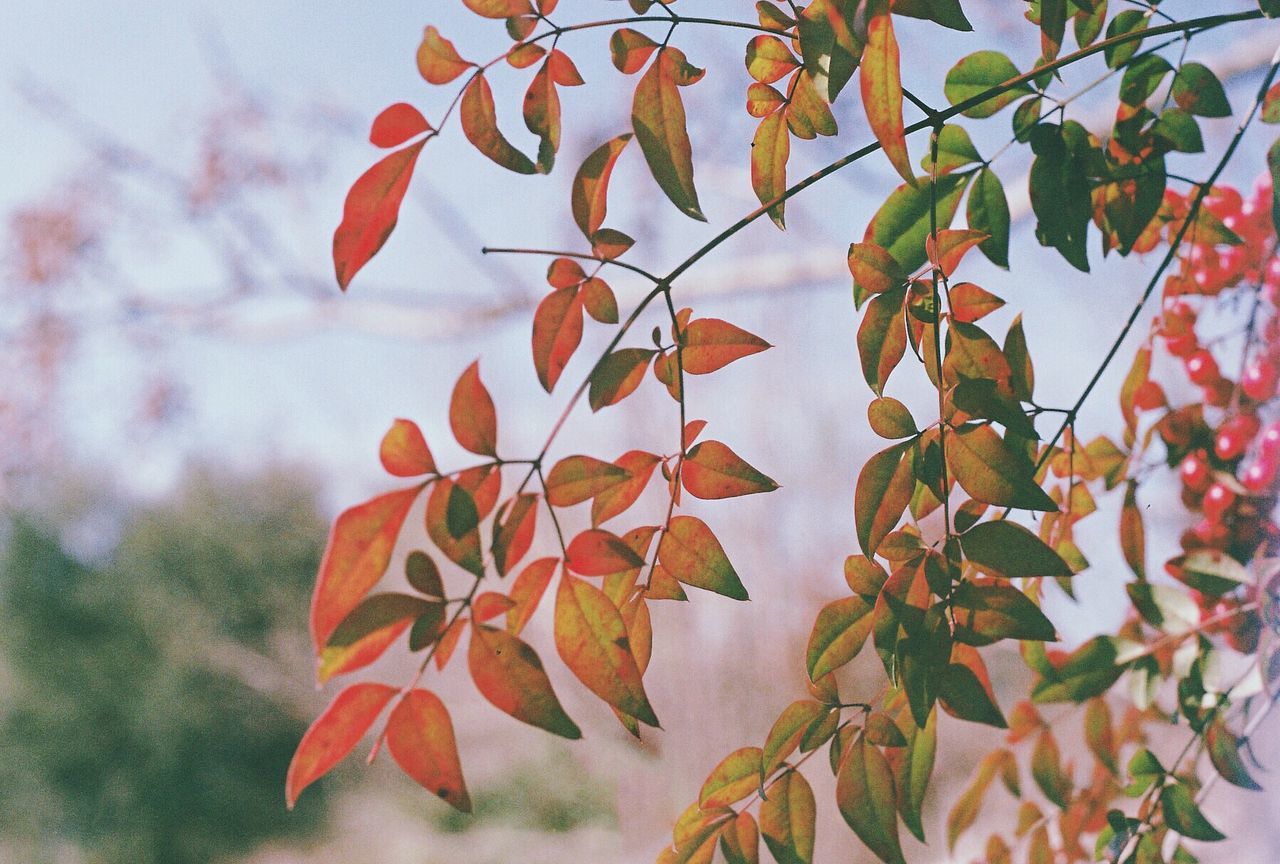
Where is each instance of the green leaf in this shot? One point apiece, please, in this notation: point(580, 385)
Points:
point(962, 693)
point(1179, 131)
point(788, 816)
point(838, 634)
point(1098, 734)
point(982, 399)
point(955, 150)
point(1046, 769)
point(1224, 753)
point(867, 799)
point(1273, 165)
point(913, 768)
point(1022, 376)
point(988, 211)
point(889, 418)
point(1060, 190)
point(901, 225)
point(787, 731)
point(990, 612)
point(1183, 816)
point(992, 472)
point(883, 491)
point(1142, 77)
point(1004, 548)
point(657, 115)
point(1128, 21)
point(1198, 91)
point(736, 777)
point(691, 553)
point(1088, 671)
point(977, 73)
point(945, 12)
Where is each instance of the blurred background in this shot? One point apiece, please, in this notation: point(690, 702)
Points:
point(187, 400)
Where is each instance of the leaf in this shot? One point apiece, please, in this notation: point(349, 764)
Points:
point(788, 817)
point(617, 499)
point(874, 269)
point(1198, 91)
point(575, 479)
point(865, 794)
point(471, 414)
point(499, 8)
point(557, 332)
point(977, 73)
point(597, 552)
point(913, 766)
point(971, 303)
point(691, 553)
point(1098, 734)
point(1125, 22)
point(527, 590)
point(396, 125)
point(838, 635)
point(882, 338)
point(1183, 816)
point(945, 12)
point(736, 777)
point(592, 640)
point(763, 100)
point(1224, 753)
point(480, 124)
point(808, 115)
point(1046, 769)
point(404, 452)
point(1088, 671)
point(423, 574)
point(988, 211)
point(965, 689)
point(882, 87)
point(711, 344)
point(955, 150)
point(988, 612)
point(508, 672)
point(770, 150)
point(364, 634)
point(889, 418)
point(334, 734)
point(769, 59)
point(992, 472)
point(597, 296)
point(358, 553)
point(617, 376)
point(883, 491)
point(965, 810)
point(902, 225)
point(784, 737)
point(370, 212)
point(1004, 548)
point(1059, 188)
point(438, 60)
point(1022, 377)
point(711, 471)
point(740, 840)
point(630, 50)
point(420, 740)
point(452, 521)
point(589, 197)
point(513, 530)
point(951, 248)
point(657, 115)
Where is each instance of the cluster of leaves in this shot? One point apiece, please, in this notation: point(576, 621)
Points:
point(929, 600)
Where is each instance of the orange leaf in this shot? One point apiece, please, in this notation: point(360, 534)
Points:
point(658, 118)
point(527, 590)
point(874, 269)
point(769, 59)
point(542, 115)
point(490, 604)
point(420, 739)
point(471, 414)
point(951, 247)
point(691, 553)
point(370, 212)
point(711, 470)
point(438, 60)
point(617, 499)
point(970, 303)
point(598, 553)
point(763, 100)
point(513, 530)
point(452, 523)
point(480, 125)
point(397, 124)
point(557, 332)
point(589, 197)
point(448, 641)
point(368, 631)
point(630, 50)
point(882, 88)
point(711, 344)
point(334, 734)
point(617, 376)
point(499, 8)
point(359, 551)
point(404, 452)
point(575, 479)
point(737, 776)
point(509, 673)
point(593, 641)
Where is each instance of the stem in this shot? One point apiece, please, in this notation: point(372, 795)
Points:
point(937, 331)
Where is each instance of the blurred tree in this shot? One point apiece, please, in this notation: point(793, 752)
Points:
point(143, 720)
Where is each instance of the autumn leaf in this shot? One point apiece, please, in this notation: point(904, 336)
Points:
point(334, 734)
point(770, 150)
point(711, 470)
point(527, 590)
point(438, 60)
point(575, 479)
point(371, 211)
point(838, 635)
point(657, 115)
point(509, 673)
point(769, 59)
point(479, 119)
point(471, 414)
point(589, 197)
point(711, 344)
point(736, 777)
point(617, 376)
point(404, 452)
point(396, 125)
point(784, 737)
point(358, 554)
point(882, 87)
point(883, 491)
point(992, 472)
point(499, 8)
point(598, 553)
point(691, 553)
point(513, 530)
point(788, 817)
point(420, 740)
point(618, 498)
point(364, 634)
point(882, 337)
point(865, 794)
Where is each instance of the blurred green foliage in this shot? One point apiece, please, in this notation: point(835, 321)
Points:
point(143, 707)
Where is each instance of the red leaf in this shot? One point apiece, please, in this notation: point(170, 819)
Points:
point(334, 734)
point(420, 739)
point(591, 184)
point(499, 8)
point(527, 590)
point(438, 60)
point(970, 303)
point(951, 247)
point(598, 553)
point(471, 414)
point(617, 499)
point(630, 50)
point(557, 332)
point(711, 344)
point(359, 551)
point(371, 211)
point(513, 530)
point(617, 376)
point(404, 452)
point(542, 115)
point(882, 88)
point(397, 124)
point(712, 470)
point(490, 604)
point(509, 673)
point(480, 125)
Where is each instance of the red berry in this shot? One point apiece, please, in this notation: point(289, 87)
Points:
point(1181, 346)
point(1234, 436)
point(1202, 369)
point(1212, 534)
point(1217, 501)
point(1269, 443)
point(1260, 477)
point(1260, 379)
point(1195, 471)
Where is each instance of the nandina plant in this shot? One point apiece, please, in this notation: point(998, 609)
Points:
point(929, 606)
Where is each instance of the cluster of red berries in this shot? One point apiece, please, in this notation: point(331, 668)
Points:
point(1227, 452)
